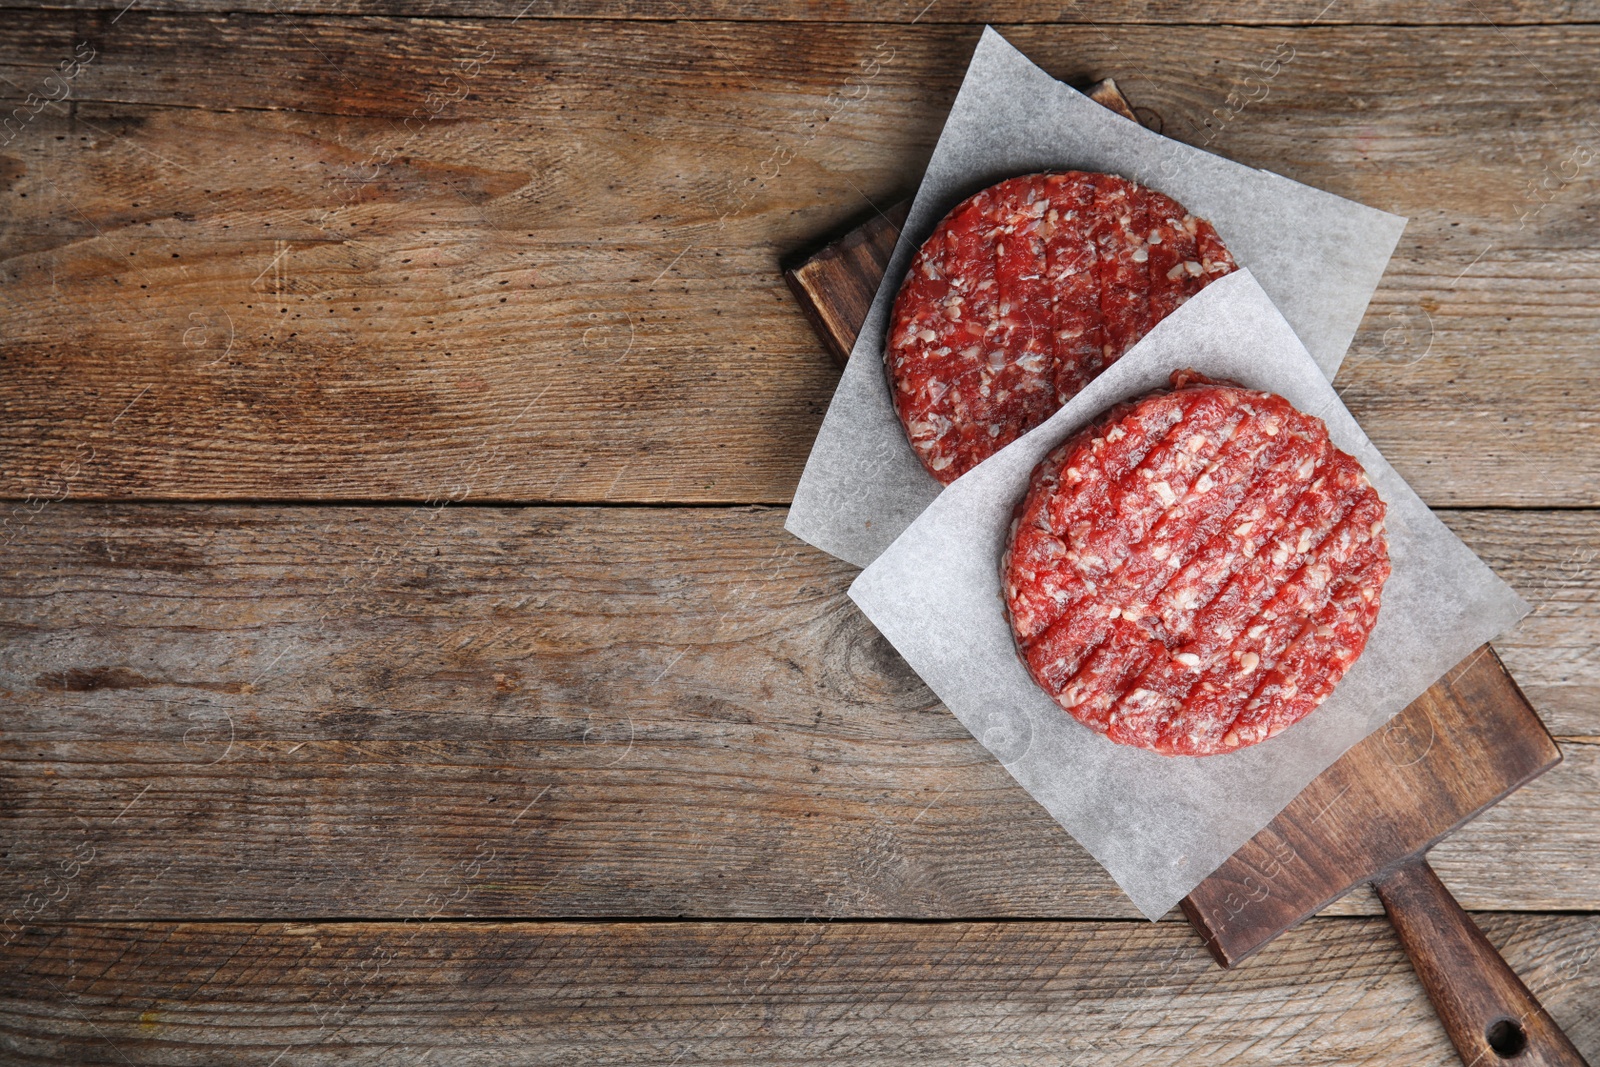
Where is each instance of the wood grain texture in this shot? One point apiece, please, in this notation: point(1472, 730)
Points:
point(1333, 992)
point(1259, 12)
point(278, 257)
point(545, 280)
point(1461, 747)
point(835, 286)
point(1489, 1013)
point(280, 712)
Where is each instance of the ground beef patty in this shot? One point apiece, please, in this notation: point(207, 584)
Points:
point(1023, 294)
point(1196, 570)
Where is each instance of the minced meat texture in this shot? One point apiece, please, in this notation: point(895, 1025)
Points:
point(1023, 294)
point(1195, 571)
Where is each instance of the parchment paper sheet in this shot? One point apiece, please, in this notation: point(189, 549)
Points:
point(1160, 824)
point(1318, 256)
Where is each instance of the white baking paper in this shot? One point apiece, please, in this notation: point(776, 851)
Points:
point(1159, 824)
point(1319, 257)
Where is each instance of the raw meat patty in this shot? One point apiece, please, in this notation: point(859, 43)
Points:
point(1023, 294)
point(1195, 571)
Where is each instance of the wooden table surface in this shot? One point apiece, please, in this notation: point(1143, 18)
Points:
point(403, 659)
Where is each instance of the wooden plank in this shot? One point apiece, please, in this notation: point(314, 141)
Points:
point(1332, 992)
point(1462, 747)
point(732, 823)
point(309, 621)
point(835, 285)
point(644, 308)
point(280, 712)
point(1555, 651)
point(1251, 12)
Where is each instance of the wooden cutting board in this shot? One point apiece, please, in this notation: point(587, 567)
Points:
point(1464, 745)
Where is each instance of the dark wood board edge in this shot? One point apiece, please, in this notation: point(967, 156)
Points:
point(1105, 93)
point(831, 285)
point(1232, 943)
point(1487, 1011)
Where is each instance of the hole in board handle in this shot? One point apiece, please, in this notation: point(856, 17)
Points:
point(1506, 1038)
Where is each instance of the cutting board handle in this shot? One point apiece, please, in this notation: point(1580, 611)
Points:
point(1487, 1011)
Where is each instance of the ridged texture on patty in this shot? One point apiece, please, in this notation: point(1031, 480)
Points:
point(1195, 571)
